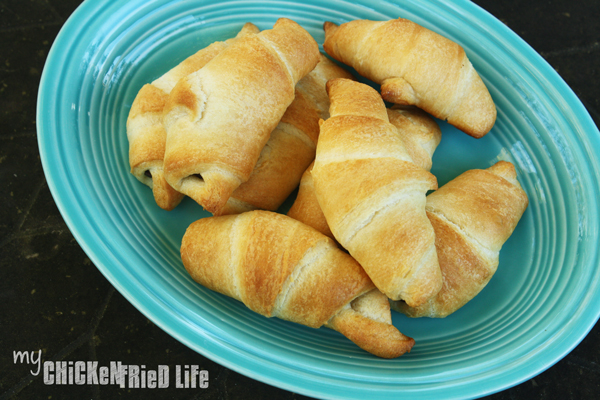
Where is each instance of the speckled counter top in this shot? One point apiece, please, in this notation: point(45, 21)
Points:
point(54, 299)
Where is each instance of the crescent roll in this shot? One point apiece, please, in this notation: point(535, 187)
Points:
point(472, 215)
point(145, 131)
point(420, 134)
point(279, 267)
point(291, 146)
point(373, 195)
point(306, 208)
point(415, 66)
point(219, 118)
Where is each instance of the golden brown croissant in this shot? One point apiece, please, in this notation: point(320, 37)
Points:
point(219, 118)
point(420, 134)
point(279, 267)
point(145, 130)
point(291, 147)
point(472, 215)
point(306, 208)
point(373, 195)
point(415, 66)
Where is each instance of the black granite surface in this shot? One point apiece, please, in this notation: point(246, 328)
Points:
point(54, 299)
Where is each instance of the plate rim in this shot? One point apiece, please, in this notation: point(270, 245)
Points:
point(162, 321)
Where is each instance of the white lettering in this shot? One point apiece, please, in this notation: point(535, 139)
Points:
point(203, 379)
point(70, 368)
point(23, 357)
point(163, 376)
point(124, 370)
point(92, 376)
point(134, 376)
point(38, 362)
point(61, 373)
point(79, 373)
point(178, 383)
point(151, 379)
point(143, 377)
point(126, 376)
point(115, 373)
point(193, 375)
point(103, 374)
point(48, 376)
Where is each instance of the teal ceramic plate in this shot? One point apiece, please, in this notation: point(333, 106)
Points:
point(543, 300)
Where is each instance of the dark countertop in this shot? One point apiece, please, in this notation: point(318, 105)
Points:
point(54, 298)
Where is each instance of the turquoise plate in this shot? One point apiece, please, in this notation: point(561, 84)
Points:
point(543, 300)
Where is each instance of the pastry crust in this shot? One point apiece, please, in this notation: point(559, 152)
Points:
point(306, 207)
point(415, 66)
point(373, 195)
point(420, 134)
point(279, 267)
point(145, 131)
point(291, 146)
point(219, 118)
point(473, 216)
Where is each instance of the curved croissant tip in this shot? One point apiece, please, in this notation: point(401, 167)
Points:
point(285, 21)
point(248, 28)
point(328, 85)
point(329, 26)
point(504, 169)
point(335, 81)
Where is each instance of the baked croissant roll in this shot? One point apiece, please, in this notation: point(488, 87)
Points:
point(415, 66)
point(279, 267)
point(219, 118)
point(420, 134)
point(145, 131)
point(306, 208)
point(291, 146)
point(472, 215)
point(373, 195)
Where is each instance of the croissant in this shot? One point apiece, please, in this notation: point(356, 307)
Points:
point(373, 195)
point(219, 118)
point(415, 66)
point(279, 267)
point(291, 146)
point(420, 134)
point(472, 215)
point(145, 130)
point(306, 208)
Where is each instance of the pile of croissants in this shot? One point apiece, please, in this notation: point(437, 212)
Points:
point(243, 123)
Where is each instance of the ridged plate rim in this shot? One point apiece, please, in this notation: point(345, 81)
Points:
point(219, 347)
